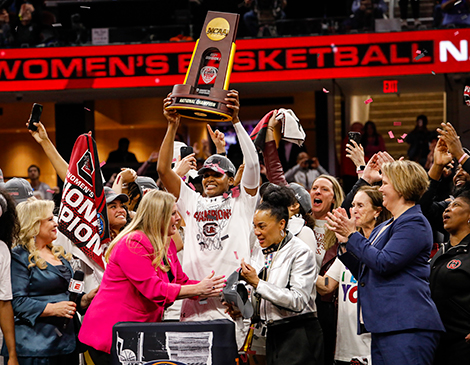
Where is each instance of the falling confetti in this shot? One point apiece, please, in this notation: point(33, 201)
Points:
point(88, 110)
point(102, 163)
point(55, 25)
point(418, 51)
point(419, 56)
point(399, 140)
point(187, 212)
point(325, 91)
point(85, 7)
point(368, 101)
point(390, 133)
point(404, 135)
point(397, 124)
point(433, 73)
point(457, 32)
point(457, 2)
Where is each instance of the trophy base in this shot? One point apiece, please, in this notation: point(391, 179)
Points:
point(212, 108)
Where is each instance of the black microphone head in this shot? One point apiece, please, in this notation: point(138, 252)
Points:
point(78, 275)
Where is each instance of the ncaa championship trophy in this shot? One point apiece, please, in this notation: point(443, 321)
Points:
point(202, 96)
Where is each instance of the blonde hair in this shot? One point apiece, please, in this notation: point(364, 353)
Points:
point(30, 214)
point(153, 219)
point(408, 178)
point(338, 196)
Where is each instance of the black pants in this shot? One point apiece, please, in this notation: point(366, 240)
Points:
point(296, 340)
point(99, 357)
point(452, 351)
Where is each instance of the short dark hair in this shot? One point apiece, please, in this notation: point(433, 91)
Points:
point(36, 166)
point(277, 199)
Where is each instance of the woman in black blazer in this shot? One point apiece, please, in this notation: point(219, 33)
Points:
point(44, 326)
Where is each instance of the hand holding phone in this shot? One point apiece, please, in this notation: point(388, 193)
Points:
point(354, 136)
point(35, 116)
point(186, 151)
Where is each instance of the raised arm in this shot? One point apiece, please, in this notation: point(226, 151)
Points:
point(274, 171)
point(169, 178)
point(251, 174)
point(41, 137)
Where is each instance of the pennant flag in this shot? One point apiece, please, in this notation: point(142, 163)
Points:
point(83, 215)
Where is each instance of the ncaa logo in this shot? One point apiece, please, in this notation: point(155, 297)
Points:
point(452, 265)
point(210, 229)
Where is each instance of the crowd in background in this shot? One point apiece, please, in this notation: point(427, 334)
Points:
point(35, 23)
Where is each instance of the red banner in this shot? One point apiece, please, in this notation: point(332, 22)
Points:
point(83, 215)
point(256, 60)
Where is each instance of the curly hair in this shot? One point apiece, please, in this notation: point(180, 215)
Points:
point(31, 213)
point(9, 223)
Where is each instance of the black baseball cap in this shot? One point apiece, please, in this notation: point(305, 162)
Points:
point(218, 163)
point(235, 293)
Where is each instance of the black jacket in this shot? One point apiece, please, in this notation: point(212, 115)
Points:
point(450, 288)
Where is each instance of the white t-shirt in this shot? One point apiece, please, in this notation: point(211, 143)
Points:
point(348, 343)
point(297, 227)
point(319, 231)
point(217, 237)
point(5, 272)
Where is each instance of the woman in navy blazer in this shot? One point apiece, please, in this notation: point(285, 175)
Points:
point(394, 299)
point(40, 278)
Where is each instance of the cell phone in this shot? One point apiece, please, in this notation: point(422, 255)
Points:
point(35, 116)
point(354, 136)
point(186, 151)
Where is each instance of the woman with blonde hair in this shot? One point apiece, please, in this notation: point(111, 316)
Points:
point(45, 332)
point(392, 269)
point(326, 194)
point(143, 275)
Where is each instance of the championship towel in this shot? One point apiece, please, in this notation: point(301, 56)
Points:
point(83, 216)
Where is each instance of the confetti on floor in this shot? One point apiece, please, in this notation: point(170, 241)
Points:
point(325, 91)
point(368, 101)
point(390, 133)
point(397, 124)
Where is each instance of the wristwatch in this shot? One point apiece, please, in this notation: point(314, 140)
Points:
point(360, 169)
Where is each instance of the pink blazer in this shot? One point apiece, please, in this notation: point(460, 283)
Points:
point(131, 290)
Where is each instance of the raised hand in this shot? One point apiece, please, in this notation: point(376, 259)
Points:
point(183, 166)
point(171, 116)
point(41, 134)
point(448, 133)
point(442, 156)
point(233, 98)
point(355, 152)
point(218, 138)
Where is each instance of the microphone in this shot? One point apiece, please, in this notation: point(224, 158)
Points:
point(76, 286)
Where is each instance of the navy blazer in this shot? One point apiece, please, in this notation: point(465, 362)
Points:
point(393, 273)
point(32, 289)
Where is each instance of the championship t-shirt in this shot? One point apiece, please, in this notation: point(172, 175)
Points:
point(217, 237)
point(348, 343)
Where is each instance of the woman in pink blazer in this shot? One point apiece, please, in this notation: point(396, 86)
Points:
point(143, 276)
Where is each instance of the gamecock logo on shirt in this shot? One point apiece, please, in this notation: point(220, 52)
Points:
point(452, 265)
point(210, 229)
